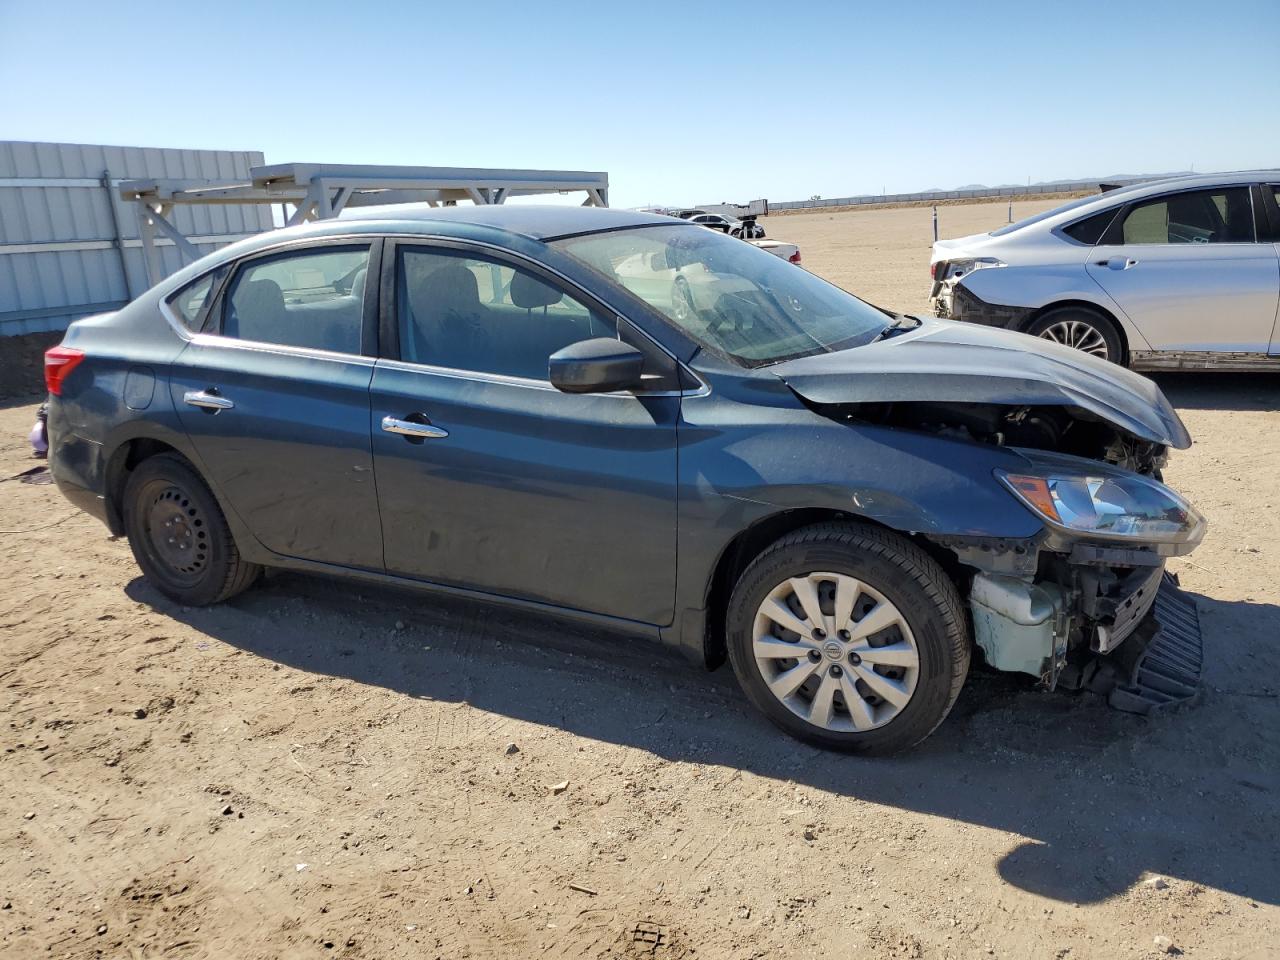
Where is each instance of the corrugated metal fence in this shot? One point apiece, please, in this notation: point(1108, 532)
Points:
point(69, 247)
point(1061, 186)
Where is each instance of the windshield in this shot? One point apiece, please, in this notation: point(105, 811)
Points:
point(728, 294)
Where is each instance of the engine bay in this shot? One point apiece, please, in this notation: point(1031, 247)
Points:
point(1054, 428)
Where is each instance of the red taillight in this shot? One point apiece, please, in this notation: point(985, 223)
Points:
point(933, 271)
point(794, 258)
point(58, 362)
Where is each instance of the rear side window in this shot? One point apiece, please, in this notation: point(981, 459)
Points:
point(1223, 215)
point(1090, 229)
point(312, 299)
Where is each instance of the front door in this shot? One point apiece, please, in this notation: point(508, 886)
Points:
point(491, 479)
point(275, 398)
point(1187, 271)
point(1270, 194)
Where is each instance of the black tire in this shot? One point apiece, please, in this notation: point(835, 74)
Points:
point(1092, 319)
point(208, 569)
point(905, 575)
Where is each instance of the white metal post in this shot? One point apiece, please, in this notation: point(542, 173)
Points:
point(150, 256)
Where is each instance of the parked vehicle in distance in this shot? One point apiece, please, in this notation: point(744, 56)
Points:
point(769, 470)
point(789, 252)
point(1176, 274)
point(745, 229)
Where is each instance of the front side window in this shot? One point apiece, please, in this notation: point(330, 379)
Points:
point(1222, 215)
point(485, 316)
point(312, 299)
point(730, 295)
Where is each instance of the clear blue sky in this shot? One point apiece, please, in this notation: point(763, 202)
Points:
point(683, 102)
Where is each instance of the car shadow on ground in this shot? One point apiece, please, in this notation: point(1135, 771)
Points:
point(1221, 391)
point(1099, 796)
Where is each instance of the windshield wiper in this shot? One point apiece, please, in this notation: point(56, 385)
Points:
point(899, 322)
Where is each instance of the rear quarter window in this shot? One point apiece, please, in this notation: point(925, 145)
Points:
point(1091, 229)
point(189, 302)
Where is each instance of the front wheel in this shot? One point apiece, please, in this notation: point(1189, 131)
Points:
point(179, 535)
point(849, 637)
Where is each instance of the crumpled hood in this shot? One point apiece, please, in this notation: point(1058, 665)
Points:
point(967, 363)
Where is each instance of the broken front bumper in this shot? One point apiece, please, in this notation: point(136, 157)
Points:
point(1134, 640)
point(1160, 665)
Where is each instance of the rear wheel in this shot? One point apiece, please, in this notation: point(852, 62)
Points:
point(1081, 329)
point(849, 637)
point(179, 535)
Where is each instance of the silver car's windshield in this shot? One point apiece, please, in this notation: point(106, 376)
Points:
point(728, 294)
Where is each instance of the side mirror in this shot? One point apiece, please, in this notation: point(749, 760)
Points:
point(601, 365)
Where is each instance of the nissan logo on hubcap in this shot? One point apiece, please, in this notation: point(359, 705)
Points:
point(833, 650)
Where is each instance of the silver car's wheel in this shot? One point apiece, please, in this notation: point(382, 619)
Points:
point(1079, 335)
point(835, 652)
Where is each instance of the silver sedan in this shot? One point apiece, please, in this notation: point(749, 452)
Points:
point(1175, 274)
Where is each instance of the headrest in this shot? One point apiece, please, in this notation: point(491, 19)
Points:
point(261, 296)
point(450, 287)
point(528, 292)
point(357, 285)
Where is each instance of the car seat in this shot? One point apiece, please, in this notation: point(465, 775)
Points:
point(448, 322)
point(257, 312)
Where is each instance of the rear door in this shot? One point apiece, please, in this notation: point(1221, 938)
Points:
point(491, 479)
point(275, 398)
point(1189, 272)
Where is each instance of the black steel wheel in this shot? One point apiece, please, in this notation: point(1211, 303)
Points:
point(179, 535)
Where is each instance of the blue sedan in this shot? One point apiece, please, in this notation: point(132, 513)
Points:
point(632, 421)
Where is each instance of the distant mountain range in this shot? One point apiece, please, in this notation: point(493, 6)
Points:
point(1110, 178)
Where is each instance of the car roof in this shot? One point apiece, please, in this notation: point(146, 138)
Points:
point(1085, 207)
point(535, 221)
point(1190, 180)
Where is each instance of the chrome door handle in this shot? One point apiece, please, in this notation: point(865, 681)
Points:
point(207, 401)
point(1118, 263)
point(418, 431)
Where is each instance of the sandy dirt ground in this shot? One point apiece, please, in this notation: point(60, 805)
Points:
point(322, 769)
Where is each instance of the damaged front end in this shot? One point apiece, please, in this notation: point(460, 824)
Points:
point(1089, 619)
point(1086, 602)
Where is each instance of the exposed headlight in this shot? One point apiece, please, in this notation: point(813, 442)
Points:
point(1125, 506)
